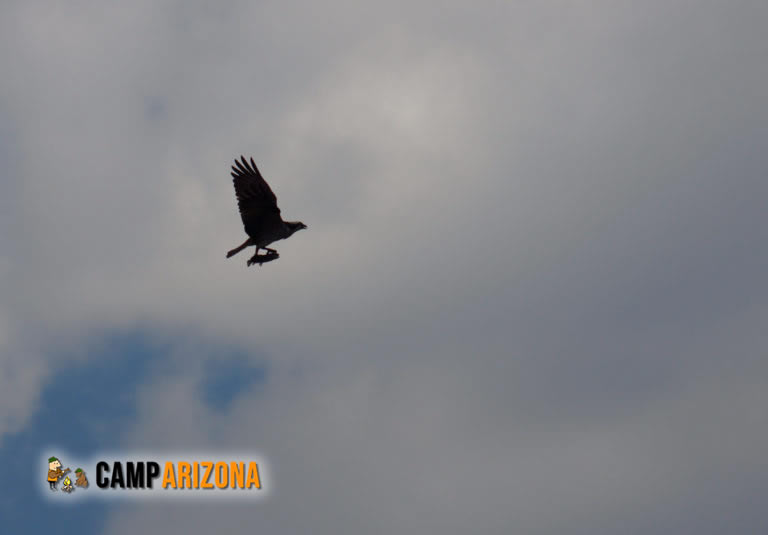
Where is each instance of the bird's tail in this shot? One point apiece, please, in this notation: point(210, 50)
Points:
point(240, 248)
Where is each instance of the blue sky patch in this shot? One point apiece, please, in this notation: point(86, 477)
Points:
point(228, 378)
point(82, 410)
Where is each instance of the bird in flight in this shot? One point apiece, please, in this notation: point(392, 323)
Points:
point(259, 211)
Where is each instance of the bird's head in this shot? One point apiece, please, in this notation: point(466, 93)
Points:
point(295, 226)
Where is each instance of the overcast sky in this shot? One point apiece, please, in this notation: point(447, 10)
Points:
point(531, 298)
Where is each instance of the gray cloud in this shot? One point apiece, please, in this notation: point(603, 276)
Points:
point(530, 297)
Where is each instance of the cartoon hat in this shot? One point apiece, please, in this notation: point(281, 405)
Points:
point(78, 470)
point(52, 459)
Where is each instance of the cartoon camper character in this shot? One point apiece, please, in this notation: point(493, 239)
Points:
point(55, 472)
point(81, 480)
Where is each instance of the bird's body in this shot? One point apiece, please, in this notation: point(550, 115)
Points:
point(260, 214)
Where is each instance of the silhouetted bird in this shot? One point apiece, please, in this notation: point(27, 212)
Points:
point(259, 211)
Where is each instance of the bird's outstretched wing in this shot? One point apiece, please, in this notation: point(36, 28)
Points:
point(255, 199)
